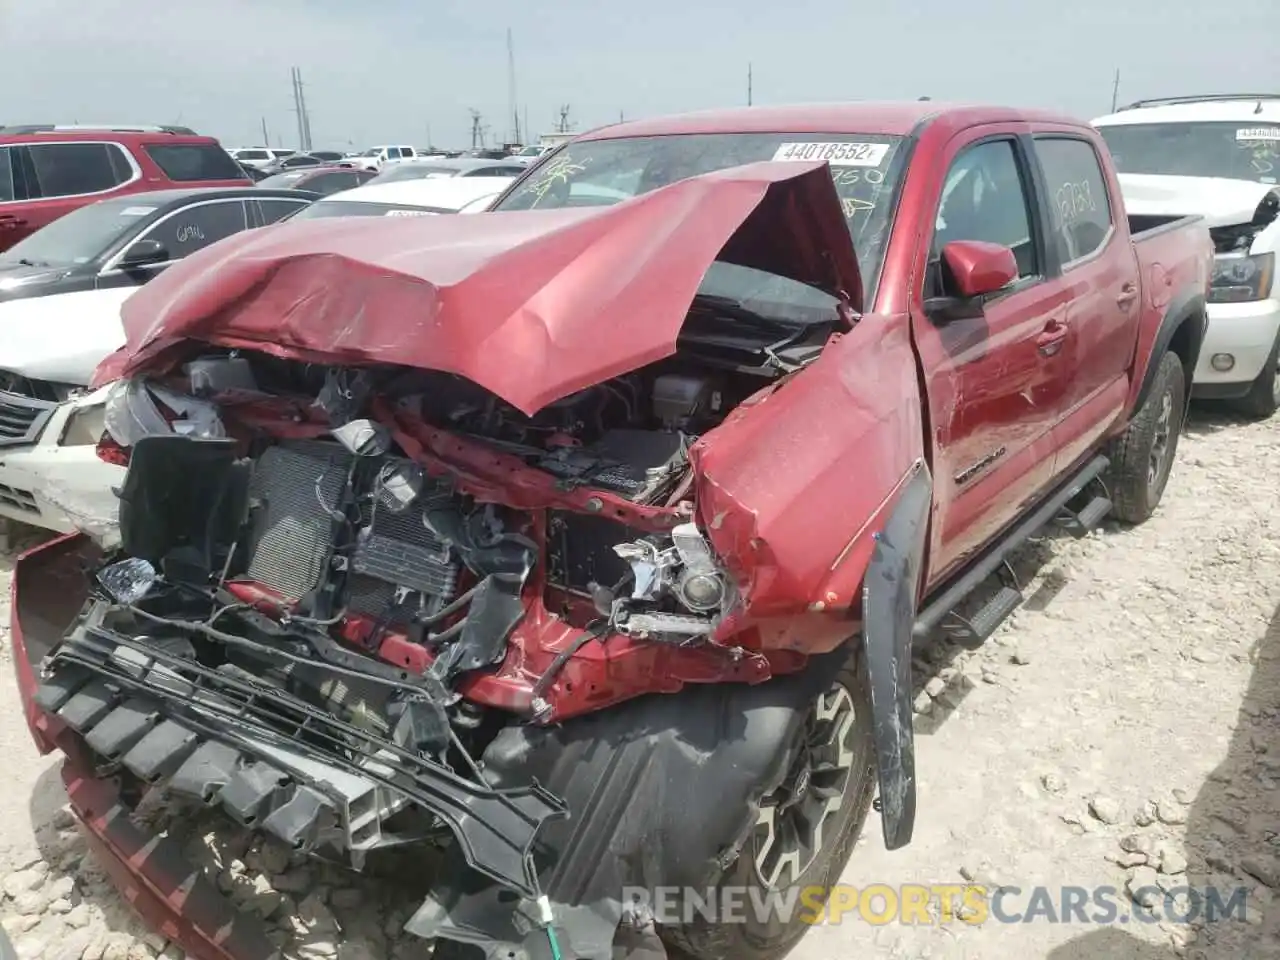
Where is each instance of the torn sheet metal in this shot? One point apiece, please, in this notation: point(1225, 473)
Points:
point(516, 302)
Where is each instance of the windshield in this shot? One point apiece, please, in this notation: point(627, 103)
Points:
point(82, 235)
point(1235, 150)
point(412, 171)
point(371, 152)
point(866, 170)
point(529, 152)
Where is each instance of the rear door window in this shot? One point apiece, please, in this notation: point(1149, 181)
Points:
point(196, 227)
point(6, 175)
point(194, 162)
point(1080, 210)
point(76, 169)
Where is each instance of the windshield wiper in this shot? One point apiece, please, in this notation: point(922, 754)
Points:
point(733, 310)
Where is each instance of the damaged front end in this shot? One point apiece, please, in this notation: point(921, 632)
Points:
point(362, 605)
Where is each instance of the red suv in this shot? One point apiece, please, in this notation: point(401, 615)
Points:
point(48, 173)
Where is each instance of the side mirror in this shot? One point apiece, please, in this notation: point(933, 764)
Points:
point(976, 268)
point(144, 253)
point(970, 271)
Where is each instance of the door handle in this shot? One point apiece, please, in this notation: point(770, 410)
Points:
point(1051, 339)
point(1128, 293)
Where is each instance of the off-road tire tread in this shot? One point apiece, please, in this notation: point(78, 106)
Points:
point(1130, 452)
point(702, 940)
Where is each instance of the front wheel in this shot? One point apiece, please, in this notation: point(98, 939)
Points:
point(1142, 457)
point(804, 833)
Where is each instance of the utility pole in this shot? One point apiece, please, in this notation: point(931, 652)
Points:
point(527, 131)
point(749, 97)
point(266, 139)
point(297, 103)
point(563, 125)
point(477, 130)
point(1115, 91)
point(511, 90)
point(304, 116)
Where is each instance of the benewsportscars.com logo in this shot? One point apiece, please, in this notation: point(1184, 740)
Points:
point(932, 904)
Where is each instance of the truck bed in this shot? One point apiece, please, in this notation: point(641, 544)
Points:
point(1144, 226)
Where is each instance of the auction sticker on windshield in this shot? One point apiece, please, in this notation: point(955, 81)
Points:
point(836, 154)
point(1271, 134)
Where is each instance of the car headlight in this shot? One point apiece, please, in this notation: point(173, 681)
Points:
point(1238, 278)
point(85, 426)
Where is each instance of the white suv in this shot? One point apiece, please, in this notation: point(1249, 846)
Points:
point(1217, 156)
point(375, 158)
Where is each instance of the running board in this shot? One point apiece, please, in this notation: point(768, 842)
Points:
point(995, 556)
point(1079, 523)
point(975, 630)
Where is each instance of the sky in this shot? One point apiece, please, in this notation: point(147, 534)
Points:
point(398, 71)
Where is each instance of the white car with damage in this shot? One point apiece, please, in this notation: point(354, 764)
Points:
point(50, 423)
point(1218, 157)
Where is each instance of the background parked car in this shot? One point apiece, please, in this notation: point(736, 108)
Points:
point(322, 180)
point(1219, 157)
point(531, 153)
point(462, 167)
point(409, 198)
point(259, 156)
point(60, 296)
point(124, 242)
point(328, 156)
point(46, 175)
point(296, 161)
point(375, 158)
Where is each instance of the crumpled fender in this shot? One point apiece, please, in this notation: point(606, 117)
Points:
point(792, 488)
point(889, 596)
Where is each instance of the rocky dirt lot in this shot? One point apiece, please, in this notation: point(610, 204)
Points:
point(1122, 730)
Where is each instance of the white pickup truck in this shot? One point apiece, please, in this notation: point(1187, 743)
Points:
point(1219, 157)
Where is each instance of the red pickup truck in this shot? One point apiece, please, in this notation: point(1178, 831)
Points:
point(588, 539)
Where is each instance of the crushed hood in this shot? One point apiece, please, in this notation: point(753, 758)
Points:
point(62, 337)
point(532, 306)
point(1220, 201)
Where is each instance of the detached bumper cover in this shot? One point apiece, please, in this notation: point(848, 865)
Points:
point(273, 761)
point(174, 897)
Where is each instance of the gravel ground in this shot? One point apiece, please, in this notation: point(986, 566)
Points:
point(1122, 729)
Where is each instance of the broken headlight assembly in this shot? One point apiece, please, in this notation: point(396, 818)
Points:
point(1241, 278)
point(85, 426)
point(679, 588)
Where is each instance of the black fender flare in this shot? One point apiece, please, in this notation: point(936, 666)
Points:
point(889, 598)
point(1188, 308)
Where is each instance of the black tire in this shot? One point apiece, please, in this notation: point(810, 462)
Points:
point(1142, 457)
point(703, 940)
point(1263, 398)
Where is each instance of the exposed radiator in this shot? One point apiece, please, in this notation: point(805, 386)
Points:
point(399, 551)
point(295, 489)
